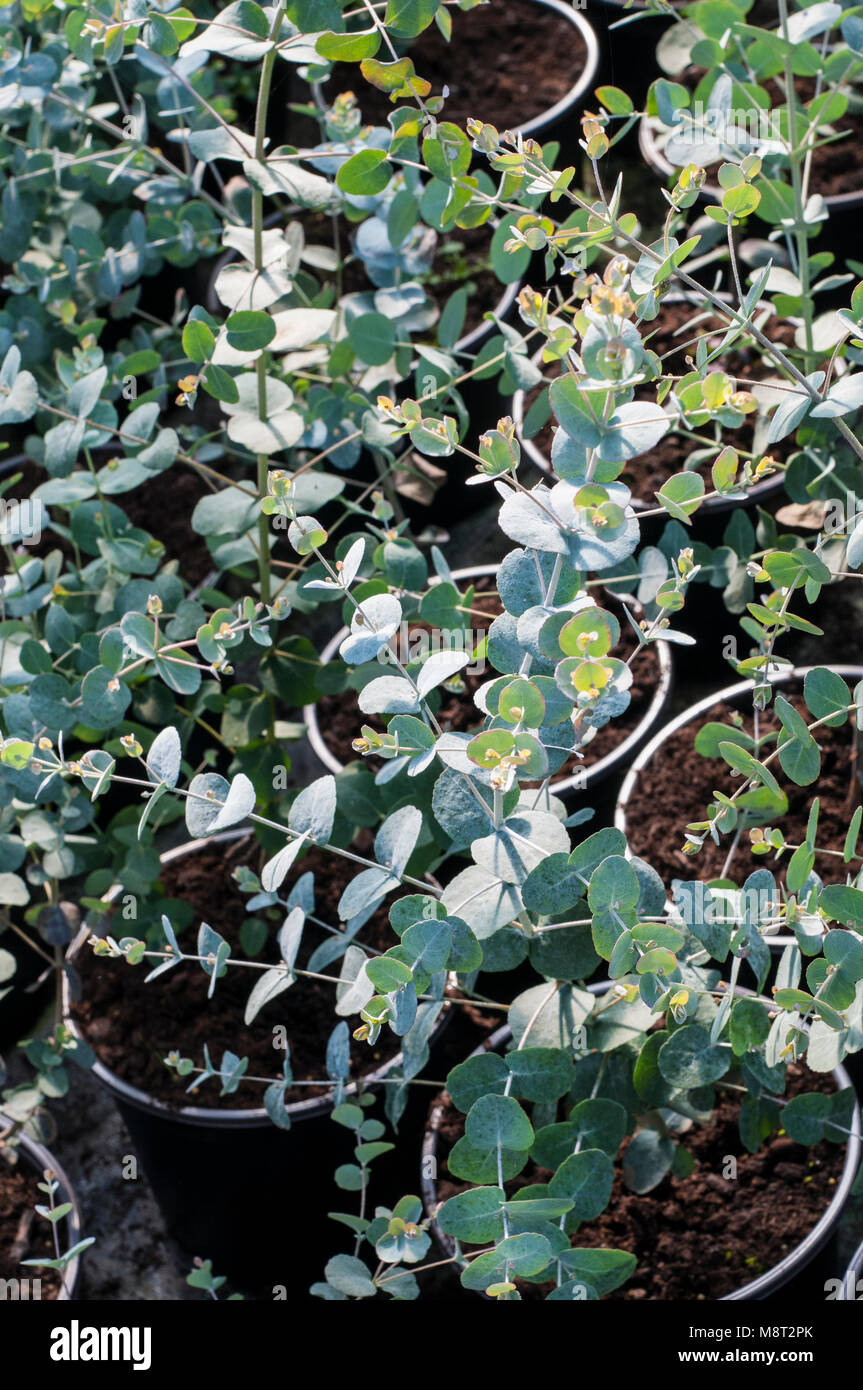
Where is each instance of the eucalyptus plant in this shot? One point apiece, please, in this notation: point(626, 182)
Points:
point(102, 641)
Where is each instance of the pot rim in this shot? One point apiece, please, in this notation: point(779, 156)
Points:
point(848, 1291)
point(253, 1118)
point(694, 712)
point(579, 87)
point(714, 506)
point(761, 1287)
point(40, 1158)
point(648, 145)
point(580, 780)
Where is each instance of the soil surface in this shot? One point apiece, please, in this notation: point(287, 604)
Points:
point(835, 166)
point(166, 512)
point(133, 1026)
point(491, 67)
point(23, 1234)
point(163, 508)
point(340, 718)
point(702, 1236)
point(677, 786)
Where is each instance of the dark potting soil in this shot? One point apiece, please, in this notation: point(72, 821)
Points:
point(133, 1026)
point(24, 1235)
point(677, 786)
point(508, 61)
point(166, 511)
point(463, 261)
point(162, 508)
point(836, 167)
point(672, 338)
point(701, 1237)
point(340, 718)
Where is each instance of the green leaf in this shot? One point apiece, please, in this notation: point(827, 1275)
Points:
point(388, 974)
point(688, 1059)
point(407, 18)
point(365, 174)
point(105, 698)
point(827, 696)
point(601, 1270)
point(742, 761)
point(373, 338)
point(475, 1216)
point(541, 1073)
point(348, 48)
point(586, 1180)
point(198, 342)
point(749, 1026)
point(498, 1122)
point(476, 1077)
point(841, 902)
point(681, 495)
point(350, 1277)
point(647, 1159)
point(250, 329)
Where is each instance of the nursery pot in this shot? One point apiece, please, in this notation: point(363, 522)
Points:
point(736, 694)
point(550, 122)
point(765, 1285)
point(232, 1186)
point(580, 780)
point(25, 998)
point(459, 64)
point(37, 1158)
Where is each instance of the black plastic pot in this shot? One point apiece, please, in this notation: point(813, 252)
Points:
point(558, 119)
point(40, 1159)
point(736, 694)
point(26, 999)
point(232, 1186)
point(580, 781)
point(817, 1243)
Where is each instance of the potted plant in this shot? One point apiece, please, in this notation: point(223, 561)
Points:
point(611, 746)
point(517, 40)
point(671, 1233)
point(302, 401)
point(693, 741)
point(196, 1144)
point(40, 1255)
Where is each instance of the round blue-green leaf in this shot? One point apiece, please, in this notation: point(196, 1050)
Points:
point(373, 338)
point(586, 1179)
point(498, 1122)
point(689, 1059)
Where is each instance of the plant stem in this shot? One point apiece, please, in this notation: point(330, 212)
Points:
point(258, 233)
